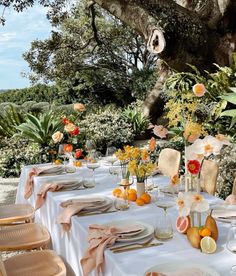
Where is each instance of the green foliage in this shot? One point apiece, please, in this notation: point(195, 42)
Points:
point(230, 98)
point(107, 126)
point(227, 173)
point(37, 93)
point(134, 115)
point(15, 153)
point(40, 130)
point(10, 118)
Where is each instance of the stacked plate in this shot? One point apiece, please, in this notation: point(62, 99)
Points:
point(180, 268)
point(144, 231)
point(52, 170)
point(224, 212)
point(95, 204)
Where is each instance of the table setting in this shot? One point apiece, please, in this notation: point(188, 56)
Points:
point(155, 231)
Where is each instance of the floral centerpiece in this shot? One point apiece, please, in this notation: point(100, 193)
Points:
point(136, 162)
point(70, 134)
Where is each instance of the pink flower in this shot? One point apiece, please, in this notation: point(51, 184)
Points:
point(160, 131)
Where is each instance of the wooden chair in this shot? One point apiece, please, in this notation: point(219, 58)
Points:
point(24, 237)
point(45, 263)
point(234, 188)
point(16, 213)
point(169, 162)
point(208, 176)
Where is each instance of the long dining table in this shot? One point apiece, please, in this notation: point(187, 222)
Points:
point(73, 245)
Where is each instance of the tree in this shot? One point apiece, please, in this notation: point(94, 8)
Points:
point(92, 55)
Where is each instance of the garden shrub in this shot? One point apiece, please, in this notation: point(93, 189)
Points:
point(15, 153)
point(107, 126)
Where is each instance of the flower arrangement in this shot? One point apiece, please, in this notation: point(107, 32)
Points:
point(191, 202)
point(136, 161)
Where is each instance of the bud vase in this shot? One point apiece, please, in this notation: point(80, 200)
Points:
point(196, 219)
point(140, 186)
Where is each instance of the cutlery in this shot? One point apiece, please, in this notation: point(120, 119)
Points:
point(96, 213)
point(131, 244)
point(136, 247)
point(227, 217)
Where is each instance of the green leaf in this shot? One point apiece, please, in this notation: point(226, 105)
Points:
point(233, 89)
point(233, 122)
point(230, 97)
point(229, 113)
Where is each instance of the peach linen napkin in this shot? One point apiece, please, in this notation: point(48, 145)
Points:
point(53, 187)
point(73, 207)
point(35, 171)
point(100, 237)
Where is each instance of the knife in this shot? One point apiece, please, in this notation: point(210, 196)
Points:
point(136, 247)
point(95, 213)
point(228, 217)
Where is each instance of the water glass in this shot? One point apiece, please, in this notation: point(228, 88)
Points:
point(163, 229)
point(231, 244)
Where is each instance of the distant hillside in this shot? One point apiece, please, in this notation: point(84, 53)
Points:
point(3, 90)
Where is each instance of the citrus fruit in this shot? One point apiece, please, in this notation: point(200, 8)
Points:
point(132, 197)
point(57, 162)
point(183, 224)
point(139, 202)
point(208, 245)
point(204, 232)
point(132, 191)
point(78, 163)
point(146, 198)
point(117, 192)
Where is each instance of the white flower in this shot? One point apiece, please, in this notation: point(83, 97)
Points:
point(183, 204)
point(199, 204)
point(207, 146)
point(190, 154)
point(57, 137)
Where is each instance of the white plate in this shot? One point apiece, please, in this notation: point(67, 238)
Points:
point(224, 210)
point(147, 231)
point(107, 202)
point(180, 267)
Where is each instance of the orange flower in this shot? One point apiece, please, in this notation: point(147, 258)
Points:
point(160, 131)
point(68, 148)
point(152, 144)
point(199, 89)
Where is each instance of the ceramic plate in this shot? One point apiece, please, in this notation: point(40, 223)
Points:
point(106, 202)
point(224, 213)
point(180, 267)
point(146, 231)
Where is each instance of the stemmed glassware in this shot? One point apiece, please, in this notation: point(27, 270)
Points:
point(231, 243)
point(163, 230)
point(90, 145)
point(123, 203)
point(110, 155)
point(62, 154)
point(93, 163)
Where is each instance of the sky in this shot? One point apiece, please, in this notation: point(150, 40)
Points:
point(15, 38)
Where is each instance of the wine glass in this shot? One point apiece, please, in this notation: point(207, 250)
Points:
point(110, 155)
point(90, 145)
point(163, 230)
point(93, 163)
point(231, 243)
point(62, 154)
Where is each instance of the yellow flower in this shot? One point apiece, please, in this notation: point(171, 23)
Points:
point(70, 127)
point(192, 131)
point(175, 180)
point(144, 155)
point(79, 107)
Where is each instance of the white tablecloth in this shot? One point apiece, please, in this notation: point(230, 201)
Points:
point(133, 263)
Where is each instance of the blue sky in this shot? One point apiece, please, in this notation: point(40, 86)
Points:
point(15, 38)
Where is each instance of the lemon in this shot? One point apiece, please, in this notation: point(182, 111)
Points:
point(208, 245)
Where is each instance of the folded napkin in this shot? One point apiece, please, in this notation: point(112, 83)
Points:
point(35, 171)
point(100, 237)
point(65, 185)
point(73, 207)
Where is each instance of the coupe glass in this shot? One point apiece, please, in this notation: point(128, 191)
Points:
point(90, 145)
point(163, 230)
point(93, 163)
point(231, 243)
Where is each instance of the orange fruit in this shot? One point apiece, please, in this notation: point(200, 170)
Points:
point(132, 191)
point(146, 198)
point(117, 192)
point(57, 162)
point(139, 202)
point(78, 163)
point(132, 197)
point(204, 232)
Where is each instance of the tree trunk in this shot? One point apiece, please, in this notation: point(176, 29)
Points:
point(180, 32)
